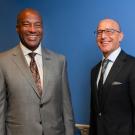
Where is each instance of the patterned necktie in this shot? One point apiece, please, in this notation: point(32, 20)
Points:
point(100, 83)
point(35, 73)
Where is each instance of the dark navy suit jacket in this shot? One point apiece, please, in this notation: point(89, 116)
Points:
point(116, 114)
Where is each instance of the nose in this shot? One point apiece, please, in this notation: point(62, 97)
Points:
point(32, 28)
point(104, 35)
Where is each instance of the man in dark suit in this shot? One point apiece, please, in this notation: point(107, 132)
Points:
point(112, 89)
point(34, 93)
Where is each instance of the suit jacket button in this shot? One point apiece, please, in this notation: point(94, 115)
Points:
point(40, 122)
point(100, 114)
point(41, 105)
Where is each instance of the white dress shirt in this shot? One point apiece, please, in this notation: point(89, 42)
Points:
point(38, 59)
point(112, 57)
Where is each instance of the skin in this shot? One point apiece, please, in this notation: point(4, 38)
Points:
point(108, 44)
point(30, 28)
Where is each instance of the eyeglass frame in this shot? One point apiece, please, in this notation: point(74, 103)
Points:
point(112, 31)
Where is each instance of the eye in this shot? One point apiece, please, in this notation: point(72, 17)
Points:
point(38, 25)
point(99, 31)
point(25, 24)
point(109, 31)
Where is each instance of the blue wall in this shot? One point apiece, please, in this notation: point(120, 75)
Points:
point(69, 26)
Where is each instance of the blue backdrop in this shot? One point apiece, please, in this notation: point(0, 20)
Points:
point(69, 26)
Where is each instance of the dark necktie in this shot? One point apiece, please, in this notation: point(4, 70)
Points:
point(100, 83)
point(35, 73)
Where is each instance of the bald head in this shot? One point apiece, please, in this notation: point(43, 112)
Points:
point(109, 22)
point(27, 11)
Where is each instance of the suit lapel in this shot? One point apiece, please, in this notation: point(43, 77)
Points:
point(46, 73)
point(116, 68)
point(95, 76)
point(20, 61)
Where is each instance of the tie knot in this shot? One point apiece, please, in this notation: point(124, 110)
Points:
point(104, 64)
point(32, 54)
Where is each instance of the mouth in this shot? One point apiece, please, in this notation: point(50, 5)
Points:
point(32, 37)
point(105, 42)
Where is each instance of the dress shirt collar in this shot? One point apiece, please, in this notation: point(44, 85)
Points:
point(112, 57)
point(26, 51)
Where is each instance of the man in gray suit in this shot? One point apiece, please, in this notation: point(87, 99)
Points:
point(29, 106)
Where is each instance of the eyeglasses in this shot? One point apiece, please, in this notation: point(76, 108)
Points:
point(108, 32)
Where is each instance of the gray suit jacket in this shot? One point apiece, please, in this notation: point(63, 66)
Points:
point(22, 110)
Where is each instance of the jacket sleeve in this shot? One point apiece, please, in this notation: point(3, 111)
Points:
point(2, 104)
point(132, 95)
point(67, 105)
point(93, 123)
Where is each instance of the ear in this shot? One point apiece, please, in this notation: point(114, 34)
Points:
point(121, 35)
point(17, 29)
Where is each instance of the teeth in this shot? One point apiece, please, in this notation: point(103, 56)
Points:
point(105, 42)
point(32, 37)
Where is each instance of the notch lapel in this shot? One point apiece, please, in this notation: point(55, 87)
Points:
point(46, 72)
point(95, 76)
point(20, 61)
point(116, 68)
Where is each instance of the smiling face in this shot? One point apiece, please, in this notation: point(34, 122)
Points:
point(108, 36)
point(30, 29)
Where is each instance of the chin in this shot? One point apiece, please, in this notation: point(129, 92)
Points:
point(34, 45)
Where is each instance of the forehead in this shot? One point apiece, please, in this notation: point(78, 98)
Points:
point(30, 16)
point(108, 24)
